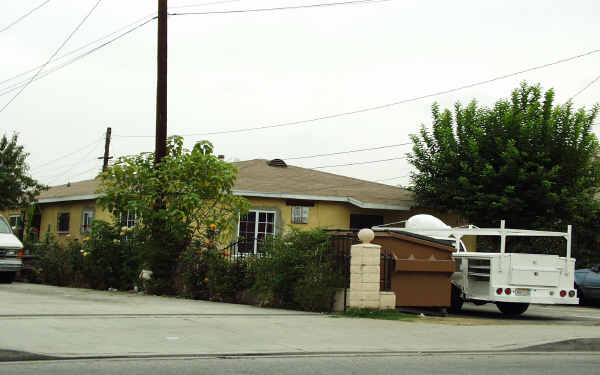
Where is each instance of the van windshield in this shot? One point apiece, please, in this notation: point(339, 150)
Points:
point(4, 227)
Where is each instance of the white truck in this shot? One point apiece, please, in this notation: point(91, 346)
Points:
point(510, 280)
point(11, 251)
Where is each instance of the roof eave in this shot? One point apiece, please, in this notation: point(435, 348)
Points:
point(69, 198)
point(328, 198)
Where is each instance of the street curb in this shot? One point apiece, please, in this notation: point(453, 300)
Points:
point(583, 345)
point(17, 356)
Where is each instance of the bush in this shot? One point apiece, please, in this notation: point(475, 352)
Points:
point(54, 262)
point(106, 259)
point(110, 256)
point(298, 271)
point(213, 275)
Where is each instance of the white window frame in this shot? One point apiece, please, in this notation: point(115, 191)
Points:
point(255, 248)
point(300, 214)
point(129, 222)
point(89, 212)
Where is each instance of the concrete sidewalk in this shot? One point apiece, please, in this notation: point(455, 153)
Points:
point(76, 322)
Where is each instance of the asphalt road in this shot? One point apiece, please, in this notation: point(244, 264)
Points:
point(490, 364)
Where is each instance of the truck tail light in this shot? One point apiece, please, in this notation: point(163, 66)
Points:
point(499, 291)
point(20, 253)
point(563, 293)
point(571, 293)
point(507, 291)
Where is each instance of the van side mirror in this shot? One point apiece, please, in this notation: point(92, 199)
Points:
point(596, 268)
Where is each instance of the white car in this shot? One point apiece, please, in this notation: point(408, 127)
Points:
point(11, 251)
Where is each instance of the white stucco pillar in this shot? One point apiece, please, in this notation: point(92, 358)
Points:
point(364, 290)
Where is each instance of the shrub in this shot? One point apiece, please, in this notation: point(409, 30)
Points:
point(297, 271)
point(106, 259)
point(211, 274)
point(110, 258)
point(54, 262)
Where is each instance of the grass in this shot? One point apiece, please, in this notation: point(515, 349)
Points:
point(375, 314)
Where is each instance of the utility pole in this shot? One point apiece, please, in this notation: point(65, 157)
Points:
point(160, 149)
point(106, 150)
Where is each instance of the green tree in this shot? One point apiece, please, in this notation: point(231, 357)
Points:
point(189, 194)
point(525, 160)
point(17, 187)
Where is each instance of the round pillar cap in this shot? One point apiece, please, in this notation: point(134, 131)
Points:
point(366, 235)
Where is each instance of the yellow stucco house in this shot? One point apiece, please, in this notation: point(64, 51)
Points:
point(280, 195)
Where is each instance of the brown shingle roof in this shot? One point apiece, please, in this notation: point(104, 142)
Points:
point(257, 176)
point(87, 187)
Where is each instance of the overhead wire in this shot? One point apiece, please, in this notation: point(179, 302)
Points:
point(27, 14)
point(77, 175)
point(147, 18)
point(67, 155)
point(347, 152)
point(204, 4)
point(52, 56)
point(358, 163)
point(8, 89)
point(66, 168)
point(291, 7)
point(144, 20)
point(585, 87)
point(381, 106)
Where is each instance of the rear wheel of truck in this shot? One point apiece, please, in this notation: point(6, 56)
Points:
point(7, 277)
point(580, 295)
point(456, 300)
point(512, 308)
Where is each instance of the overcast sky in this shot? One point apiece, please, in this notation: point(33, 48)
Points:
point(235, 71)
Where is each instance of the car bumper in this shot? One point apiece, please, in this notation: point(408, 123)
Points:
point(10, 265)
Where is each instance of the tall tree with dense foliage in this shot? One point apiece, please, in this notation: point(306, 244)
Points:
point(525, 160)
point(189, 193)
point(17, 187)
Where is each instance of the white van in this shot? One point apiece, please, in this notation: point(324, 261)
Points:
point(11, 252)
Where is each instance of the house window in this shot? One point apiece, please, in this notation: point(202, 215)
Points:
point(63, 222)
point(254, 227)
point(365, 221)
point(86, 220)
point(129, 219)
point(300, 215)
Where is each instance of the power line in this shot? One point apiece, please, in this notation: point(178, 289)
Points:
point(204, 4)
point(585, 87)
point(69, 154)
point(146, 19)
point(23, 16)
point(359, 163)
point(76, 58)
point(349, 151)
point(319, 5)
point(53, 55)
point(150, 16)
point(382, 106)
point(65, 169)
point(79, 174)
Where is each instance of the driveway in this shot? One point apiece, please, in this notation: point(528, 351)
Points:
point(68, 322)
point(537, 314)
